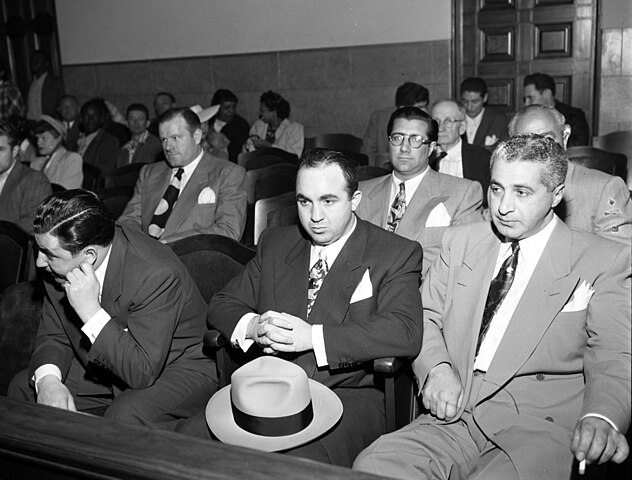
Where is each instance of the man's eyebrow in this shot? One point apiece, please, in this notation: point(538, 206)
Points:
point(328, 196)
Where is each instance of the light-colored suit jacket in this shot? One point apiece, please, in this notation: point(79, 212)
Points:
point(596, 202)
point(559, 358)
point(65, 168)
point(212, 201)
point(461, 199)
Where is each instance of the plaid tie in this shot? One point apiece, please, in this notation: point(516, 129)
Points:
point(165, 206)
point(397, 210)
point(316, 276)
point(497, 291)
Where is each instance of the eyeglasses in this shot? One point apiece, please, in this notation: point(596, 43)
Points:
point(447, 122)
point(415, 141)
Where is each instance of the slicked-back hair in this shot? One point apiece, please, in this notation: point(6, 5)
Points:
point(138, 107)
point(190, 118)
point(410, 93)
point(276, 103)
point(535, 149)
point(323, 157)
point(474, 84)
point(77, 218)
point(414, 113)
point(541, 81)
point(223, 95)
point(534, 109)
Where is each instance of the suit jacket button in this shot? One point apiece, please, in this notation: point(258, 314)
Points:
point(549, 419)
point(540, 376)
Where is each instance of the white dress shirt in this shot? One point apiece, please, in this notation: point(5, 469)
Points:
point(410, 186)
point(452, 163)
point(472, 124)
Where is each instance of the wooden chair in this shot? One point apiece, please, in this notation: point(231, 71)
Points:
point(275, 212)
point(366, 172)
point(590, 157)
point(116, 198)
point(335, 141)
point(123, 176)
point(212, 260)
point(264, 157)
point(15, 245)
point(92, 177)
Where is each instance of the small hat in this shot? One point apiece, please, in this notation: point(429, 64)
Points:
point(56, 124)
point(271, 405)
point(205, 114)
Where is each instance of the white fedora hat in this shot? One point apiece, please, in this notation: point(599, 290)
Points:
point(271, 405)
point(205, 114)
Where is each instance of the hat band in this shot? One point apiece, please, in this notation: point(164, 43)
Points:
point(276, 426)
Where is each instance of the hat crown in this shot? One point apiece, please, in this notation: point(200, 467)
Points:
point(270, 387)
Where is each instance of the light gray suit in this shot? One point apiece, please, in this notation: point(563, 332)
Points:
point(461, 198)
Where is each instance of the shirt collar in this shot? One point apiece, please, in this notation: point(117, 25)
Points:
point(101, 269)
point(455, 148)
point(188, 170)
point(531, 248)
point(332, 250)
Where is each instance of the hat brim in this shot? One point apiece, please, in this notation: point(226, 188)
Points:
point(219, 417)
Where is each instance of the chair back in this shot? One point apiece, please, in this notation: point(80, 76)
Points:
point(264, 157)
point(212, 260)
point(15, 245)
point(366, 172)
point(335, 141)
point(275, 212)
point(116, 198)
point(270, 181)
point(92, 177)
point(590, 157)
point(123, 176)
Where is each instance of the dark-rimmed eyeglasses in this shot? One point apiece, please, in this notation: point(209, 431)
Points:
point(447, 122)
point(415, 141)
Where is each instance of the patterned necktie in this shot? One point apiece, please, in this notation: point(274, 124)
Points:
point(165, 206)
point(397, 210)
point(498, 290)
point(316, 276)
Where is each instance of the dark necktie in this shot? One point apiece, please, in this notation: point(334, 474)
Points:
point(397, 210)
point(498, 290)
point(437, 160)
point(316, 276)
point(165, 206)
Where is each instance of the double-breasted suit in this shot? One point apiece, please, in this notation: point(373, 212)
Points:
point(461, 199)
point(562, 356)
point(212, 201)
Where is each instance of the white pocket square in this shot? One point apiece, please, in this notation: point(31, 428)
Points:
point(439, 217)
point(579, 300)
point(364, 289)
point(491, 140)
point(207, 195)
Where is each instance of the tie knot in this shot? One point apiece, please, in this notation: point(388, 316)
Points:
point(402, 187)
point(179, 173)
point(515, 247)
point(441, 155)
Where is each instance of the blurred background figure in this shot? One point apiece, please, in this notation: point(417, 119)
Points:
point(11, 102)
point(228, 123)
point(45, 89)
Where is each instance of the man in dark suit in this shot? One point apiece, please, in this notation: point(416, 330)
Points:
point(461, 159)
point(68, 111)
point(539, 89)
point(21, 189)
point(143, 146)
point(330, 295)
point(122, 321)
point(593, 201)
point(228, 123)
point(211, 193)
point(483, 126)
point(45, 90)
point(96, 146)
point(526, 356)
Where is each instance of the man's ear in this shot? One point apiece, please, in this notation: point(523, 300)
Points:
point(197, 136)
point(485, 97)
point(566, 133)
point(558, 194)
point(355, 200)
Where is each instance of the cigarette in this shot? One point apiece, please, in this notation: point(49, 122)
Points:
point(582, 467)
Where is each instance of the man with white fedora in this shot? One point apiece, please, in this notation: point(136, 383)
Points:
point(330, 295)
point(192, 192)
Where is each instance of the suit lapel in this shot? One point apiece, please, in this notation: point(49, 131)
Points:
point(188, 196)
point(155, 187)
point(479, 138)
point(12, 182)
point(549, 288)
point(426, 198)
point(292, 278)
point(113, 281)
point(378, 202)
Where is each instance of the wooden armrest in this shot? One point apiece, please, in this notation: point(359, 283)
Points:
point(388, 365)
point(214, 339)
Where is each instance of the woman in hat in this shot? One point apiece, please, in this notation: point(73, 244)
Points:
point(59, 165)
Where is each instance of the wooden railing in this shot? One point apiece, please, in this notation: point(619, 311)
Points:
point(38, 442)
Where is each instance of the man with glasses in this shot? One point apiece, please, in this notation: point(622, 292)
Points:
point(415, 201)
point(457, 157)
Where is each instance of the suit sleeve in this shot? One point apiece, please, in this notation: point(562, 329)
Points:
point(469, 210)
point(35, 192)
point(607, 365)
point(433, 293)
point(132, 213)
point(394, 328)
point(74, 171)
point(614, 216)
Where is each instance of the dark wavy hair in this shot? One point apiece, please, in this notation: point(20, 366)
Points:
point(77, 218)
point(414, 113)
point(322, 157)
point(276, 103)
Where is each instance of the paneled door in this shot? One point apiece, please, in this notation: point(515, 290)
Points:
point(501, 41)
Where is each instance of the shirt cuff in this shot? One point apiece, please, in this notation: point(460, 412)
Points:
point(46, 369)
point(238, 338)
point(597, 415)
point(93, 327)
point(318, 343)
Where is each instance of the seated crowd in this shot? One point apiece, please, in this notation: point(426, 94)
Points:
point(496, 267)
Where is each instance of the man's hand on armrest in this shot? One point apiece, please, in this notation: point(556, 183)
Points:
point(52, 392)
point(442, 393)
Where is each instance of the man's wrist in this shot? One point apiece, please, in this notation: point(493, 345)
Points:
point(250, 331)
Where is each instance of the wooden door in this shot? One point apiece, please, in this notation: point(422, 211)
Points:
point(501, 41)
